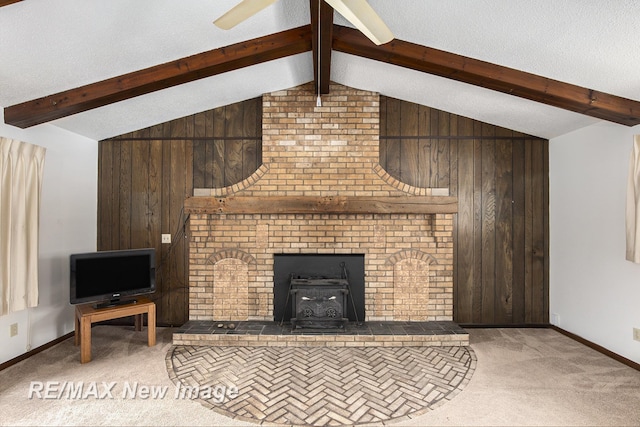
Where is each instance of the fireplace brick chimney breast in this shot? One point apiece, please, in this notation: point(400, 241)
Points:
point(321, 151)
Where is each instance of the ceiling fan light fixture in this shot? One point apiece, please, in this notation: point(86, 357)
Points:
point(243, 10)
point(364, 18)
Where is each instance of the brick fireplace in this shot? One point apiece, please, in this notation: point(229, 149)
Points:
point(320, 190)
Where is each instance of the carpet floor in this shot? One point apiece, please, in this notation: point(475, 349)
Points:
point(522, 377)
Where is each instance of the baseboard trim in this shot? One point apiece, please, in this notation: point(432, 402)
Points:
point(598, 348)
point(571, 335)
point(37, 350)
point(496, 325)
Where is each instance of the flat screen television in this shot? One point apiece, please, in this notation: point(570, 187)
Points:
point(110, 278)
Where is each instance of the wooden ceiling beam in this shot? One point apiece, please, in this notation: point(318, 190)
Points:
point(323, 32)
point(299, 40)
point(8, 2)
point(195, 67)
point(491, 76)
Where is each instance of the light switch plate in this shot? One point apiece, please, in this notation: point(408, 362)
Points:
point(166, 238)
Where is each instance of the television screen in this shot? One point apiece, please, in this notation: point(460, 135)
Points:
point(111, 275)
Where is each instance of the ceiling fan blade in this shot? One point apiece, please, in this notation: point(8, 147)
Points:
point(243, 10)
point(365, 19)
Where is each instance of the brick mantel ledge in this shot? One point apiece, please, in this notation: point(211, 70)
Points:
point(321, 205)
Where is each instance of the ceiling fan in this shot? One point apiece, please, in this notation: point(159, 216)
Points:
point(358, 12)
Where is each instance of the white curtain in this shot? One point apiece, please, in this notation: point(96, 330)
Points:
point(633, 204)
point(21, 167)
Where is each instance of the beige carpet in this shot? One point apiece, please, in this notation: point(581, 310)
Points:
point(522, 377)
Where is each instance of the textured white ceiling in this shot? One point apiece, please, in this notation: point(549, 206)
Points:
point(48, 46)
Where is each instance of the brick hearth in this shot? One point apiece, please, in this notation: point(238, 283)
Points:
point(328, 151)
point(369, 334)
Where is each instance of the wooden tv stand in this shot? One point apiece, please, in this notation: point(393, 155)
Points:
point(86, 314)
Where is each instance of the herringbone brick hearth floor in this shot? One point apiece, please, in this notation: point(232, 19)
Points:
point(320, 385)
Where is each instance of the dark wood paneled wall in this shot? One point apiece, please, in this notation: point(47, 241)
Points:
point(145, 176)
point(228, 144)
point(501, 231)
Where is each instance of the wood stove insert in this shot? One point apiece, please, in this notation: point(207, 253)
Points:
point(325, 271)
point(319, 302)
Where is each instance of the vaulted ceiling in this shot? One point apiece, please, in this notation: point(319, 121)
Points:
point(103, 68)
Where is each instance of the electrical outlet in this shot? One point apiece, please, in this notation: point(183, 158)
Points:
point(636, 334)
point(166, 238)
point(13, 329)
point(555, 319)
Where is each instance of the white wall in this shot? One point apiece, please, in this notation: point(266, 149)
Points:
point(594, 291)
point(67, 225)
